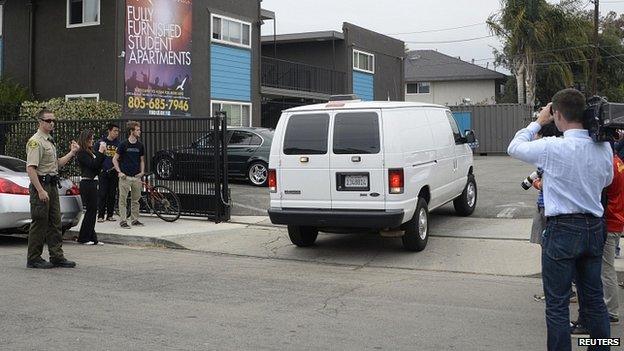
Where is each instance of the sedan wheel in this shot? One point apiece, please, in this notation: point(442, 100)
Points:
point(258, 174)
point(164, 168)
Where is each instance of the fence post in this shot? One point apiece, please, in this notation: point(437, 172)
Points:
point(215, 129)
point(224, 195)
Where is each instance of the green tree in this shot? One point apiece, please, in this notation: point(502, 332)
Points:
point(611, 61)
point(534, 33)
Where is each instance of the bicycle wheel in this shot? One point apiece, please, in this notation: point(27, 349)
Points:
point(164, 202)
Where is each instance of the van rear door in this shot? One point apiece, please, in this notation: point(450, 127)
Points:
point(304, 162)
point(357, 173)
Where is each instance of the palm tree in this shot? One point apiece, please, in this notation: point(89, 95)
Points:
point(537, 34)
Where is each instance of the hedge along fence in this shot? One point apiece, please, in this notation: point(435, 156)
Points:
point(91, 114)
point(72, 110)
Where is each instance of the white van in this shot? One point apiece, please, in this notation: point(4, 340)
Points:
point(352, 165)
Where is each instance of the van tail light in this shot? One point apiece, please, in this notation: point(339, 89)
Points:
point(272, 181)
point(74, 190)
point(396, 181)
point(8, 187)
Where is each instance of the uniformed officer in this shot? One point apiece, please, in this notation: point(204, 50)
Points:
point(45, 209)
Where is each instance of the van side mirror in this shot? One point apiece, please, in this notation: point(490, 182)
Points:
point(469, 136)
point(471, 139)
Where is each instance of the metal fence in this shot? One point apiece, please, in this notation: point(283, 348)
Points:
point(494, 125)
point(192, 150)
point(297, 76)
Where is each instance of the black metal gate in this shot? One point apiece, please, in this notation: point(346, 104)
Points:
point(188, 155)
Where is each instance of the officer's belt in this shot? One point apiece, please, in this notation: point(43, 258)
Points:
point(49, 179)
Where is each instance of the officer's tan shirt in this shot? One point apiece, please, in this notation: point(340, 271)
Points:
point(41, 153)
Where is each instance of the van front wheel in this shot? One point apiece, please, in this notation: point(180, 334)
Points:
point(466, 202)
point(302, 236)
point(417, 229)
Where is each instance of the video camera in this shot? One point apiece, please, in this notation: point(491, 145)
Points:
point(603, 119)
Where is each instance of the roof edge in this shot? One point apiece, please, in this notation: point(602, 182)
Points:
point(304, 36)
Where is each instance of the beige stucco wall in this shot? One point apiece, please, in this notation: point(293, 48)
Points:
point(451, 92)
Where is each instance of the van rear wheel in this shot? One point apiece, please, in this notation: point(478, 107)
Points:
point(466, 202)
point(302, 236)
point(417, 229)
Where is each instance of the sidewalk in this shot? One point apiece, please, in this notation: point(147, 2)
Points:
point(161, 233)
point(468, 245)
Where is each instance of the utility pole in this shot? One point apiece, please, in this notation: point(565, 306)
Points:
point(595, 61)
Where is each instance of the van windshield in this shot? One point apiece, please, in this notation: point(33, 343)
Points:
point(356, 133)
point(306, 134)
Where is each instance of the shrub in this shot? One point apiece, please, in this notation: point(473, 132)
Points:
point(80, 109)
point(11, 97)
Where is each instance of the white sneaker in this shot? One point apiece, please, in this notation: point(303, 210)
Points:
point(100, 243)
point(89, 243)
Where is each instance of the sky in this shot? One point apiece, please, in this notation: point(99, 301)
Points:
point(402, 16)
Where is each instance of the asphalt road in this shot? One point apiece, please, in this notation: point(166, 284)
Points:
point(498, 182)
point(125, 298)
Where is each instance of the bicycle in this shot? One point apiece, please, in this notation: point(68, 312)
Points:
point(158, 199)
point(161, 200)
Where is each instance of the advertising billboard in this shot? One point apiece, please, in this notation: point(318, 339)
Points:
point(158, 57)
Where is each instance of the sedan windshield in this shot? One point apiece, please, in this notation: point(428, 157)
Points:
point(13, 164)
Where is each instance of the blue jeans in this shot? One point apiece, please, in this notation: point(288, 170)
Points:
point(572, 248)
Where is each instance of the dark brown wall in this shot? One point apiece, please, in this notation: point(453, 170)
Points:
point(15, 37)
point(389, 53)
point(73, 60)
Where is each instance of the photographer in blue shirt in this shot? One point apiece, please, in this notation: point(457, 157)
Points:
point(576, 170)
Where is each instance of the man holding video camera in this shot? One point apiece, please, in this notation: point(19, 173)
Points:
point(575, 171)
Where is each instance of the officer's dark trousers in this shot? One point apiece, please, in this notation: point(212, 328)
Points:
point(89, 196)
point(107, 193)
point(46, 224)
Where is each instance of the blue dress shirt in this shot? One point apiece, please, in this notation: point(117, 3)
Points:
point(576, 168)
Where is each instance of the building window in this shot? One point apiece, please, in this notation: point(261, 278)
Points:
point(230, 31)
point(81, 13)
point(238, 114)
point(363, 61)
point(419, 88)
point(72, 97)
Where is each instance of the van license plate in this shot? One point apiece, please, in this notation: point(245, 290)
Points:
point(353, 181)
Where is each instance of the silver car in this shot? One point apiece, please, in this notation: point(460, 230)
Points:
point(15, 199)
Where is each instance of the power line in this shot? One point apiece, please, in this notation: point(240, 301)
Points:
point(491, 59)
point(537, 52)
point(608, 53)
point(440, 30)
point(448, 41)
point(574, 61)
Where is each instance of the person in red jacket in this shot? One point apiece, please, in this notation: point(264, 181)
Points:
point(615, 225)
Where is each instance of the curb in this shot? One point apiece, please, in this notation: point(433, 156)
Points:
point(128, 240)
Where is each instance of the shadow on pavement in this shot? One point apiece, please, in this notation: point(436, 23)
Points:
point(13, 240)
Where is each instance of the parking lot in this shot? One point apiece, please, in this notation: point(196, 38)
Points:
point(499, 192)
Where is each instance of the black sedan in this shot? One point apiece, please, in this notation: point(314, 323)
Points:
point(248, 157)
